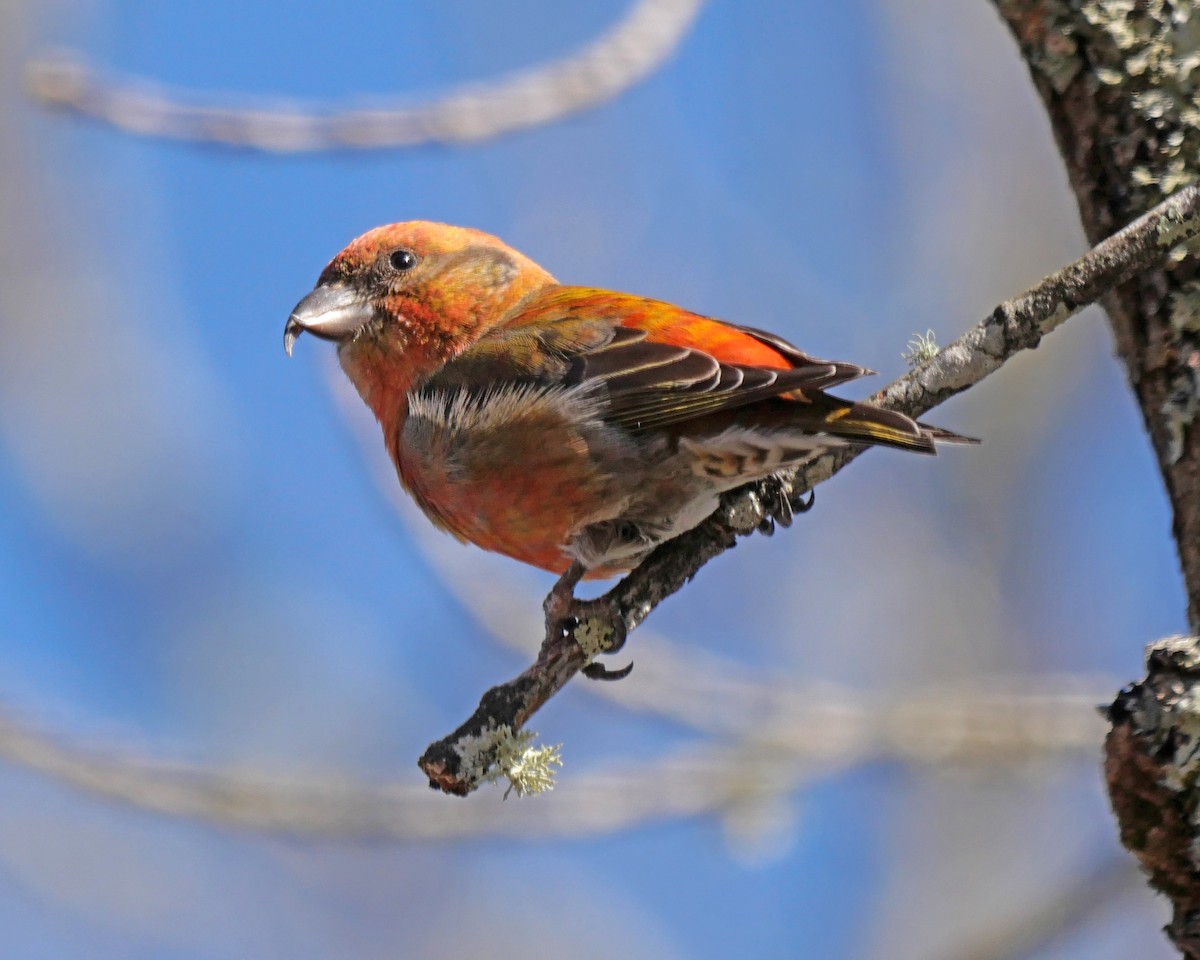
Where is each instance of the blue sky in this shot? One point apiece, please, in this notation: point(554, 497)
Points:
point(196, 557)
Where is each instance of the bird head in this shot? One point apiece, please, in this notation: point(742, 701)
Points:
point(403, 299)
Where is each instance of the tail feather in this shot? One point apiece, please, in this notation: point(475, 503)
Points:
point(946, 436)
point(865, 423)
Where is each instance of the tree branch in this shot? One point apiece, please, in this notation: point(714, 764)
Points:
point(1152, 766)
point(616, 61)
point(1123, 96)
point(458, 763)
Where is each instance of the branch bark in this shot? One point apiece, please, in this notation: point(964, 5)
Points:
point(458, 763)
point(1152, 765)
point(1118, 82)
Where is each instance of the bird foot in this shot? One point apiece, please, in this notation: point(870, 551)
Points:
point(595, 625)
point(780, 504)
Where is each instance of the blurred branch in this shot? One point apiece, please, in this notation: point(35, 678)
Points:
point(453, 764)
point(826, 729)
point(616, 61)
point(1056, 915)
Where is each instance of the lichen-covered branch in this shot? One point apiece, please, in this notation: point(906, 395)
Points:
point(1120, 85)
point(1152, 765)
point(453, 763)
point(614, 62)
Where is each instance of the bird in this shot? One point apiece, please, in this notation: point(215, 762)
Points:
point(569, 427)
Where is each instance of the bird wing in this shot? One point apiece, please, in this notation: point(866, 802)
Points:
point(656, 363)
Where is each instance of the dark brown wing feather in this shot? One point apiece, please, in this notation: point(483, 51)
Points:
point(651, 384)
point(648, 384)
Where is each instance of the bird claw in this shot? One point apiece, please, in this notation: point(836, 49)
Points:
point(799, 504)
point(780, 505)
point(598, 671)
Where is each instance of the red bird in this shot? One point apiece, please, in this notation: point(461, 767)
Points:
point(555, 423)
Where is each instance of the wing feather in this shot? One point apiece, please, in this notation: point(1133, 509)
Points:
point(656, 364)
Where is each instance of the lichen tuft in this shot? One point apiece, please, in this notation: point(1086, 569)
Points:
point(922, 347)
point(528, 769)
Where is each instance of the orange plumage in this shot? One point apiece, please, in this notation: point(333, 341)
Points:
point(555, 423)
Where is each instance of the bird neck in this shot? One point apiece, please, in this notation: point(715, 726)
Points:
point(426, 333)
point(384, 383)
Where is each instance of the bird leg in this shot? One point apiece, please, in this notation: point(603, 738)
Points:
point(595, 625)
point(560, 601)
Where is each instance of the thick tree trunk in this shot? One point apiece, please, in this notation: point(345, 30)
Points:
point(1120, 80)
point(1152, 766)
point(1121, 83)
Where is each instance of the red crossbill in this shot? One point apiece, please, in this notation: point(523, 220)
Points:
point(556, 423)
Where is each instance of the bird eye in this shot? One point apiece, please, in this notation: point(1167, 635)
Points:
point(402, 260)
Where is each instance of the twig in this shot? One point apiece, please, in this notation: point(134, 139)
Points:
point(1015, 325)
point(613, 63)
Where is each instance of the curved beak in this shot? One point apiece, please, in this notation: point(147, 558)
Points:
point(333, 311)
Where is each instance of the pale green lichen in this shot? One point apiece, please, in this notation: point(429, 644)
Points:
point(594, 637)
point(1146, 50)
point(1176, 734)
point(1182, 406)
point(1052, 49)
point(1183, 765)
point(1185, 308)
point(526, 768)
point(503, 753)
point(922, 347)
point(1152, 47)
point(1148, 53)
point(1180, 233)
